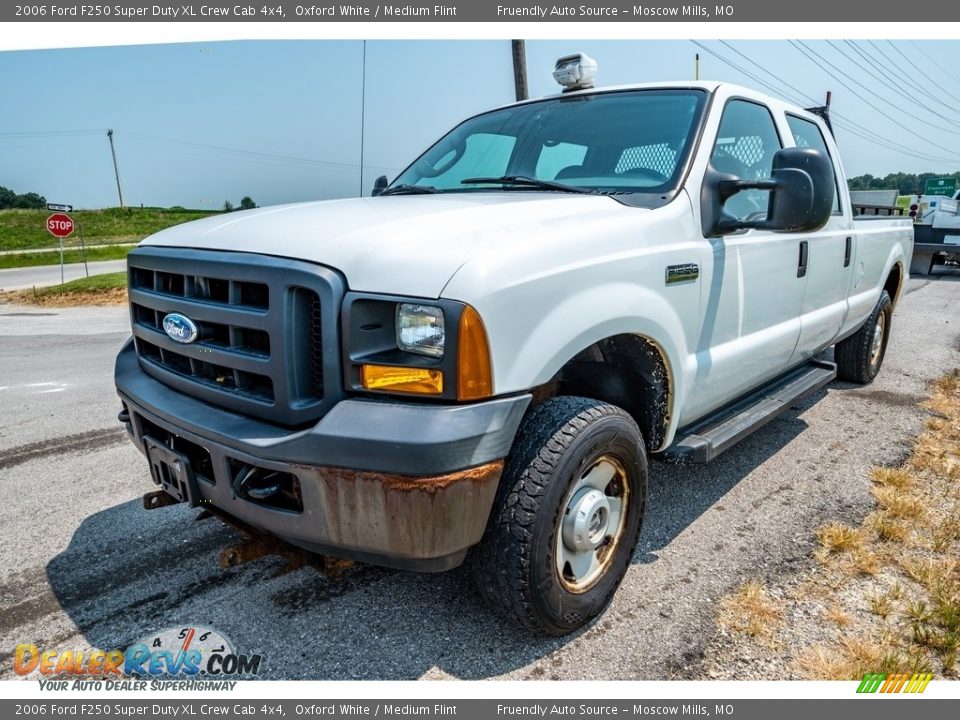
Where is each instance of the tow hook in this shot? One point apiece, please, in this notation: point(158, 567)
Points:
point(256, 544)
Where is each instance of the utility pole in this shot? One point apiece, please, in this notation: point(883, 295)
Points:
point(696, 67)
point(520, 68)
point(116, 172)
point(363, 108)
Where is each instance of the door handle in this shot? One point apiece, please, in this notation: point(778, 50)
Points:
point(846, 253)
point(802, 266)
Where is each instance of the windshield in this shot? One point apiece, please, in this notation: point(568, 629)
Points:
point(619, 142)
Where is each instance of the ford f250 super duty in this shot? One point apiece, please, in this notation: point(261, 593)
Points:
point(477, 362)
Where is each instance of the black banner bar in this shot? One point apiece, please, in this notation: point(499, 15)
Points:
point(628, 11)
point(880, 708)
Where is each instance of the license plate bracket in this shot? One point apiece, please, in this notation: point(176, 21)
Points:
point(171, 471)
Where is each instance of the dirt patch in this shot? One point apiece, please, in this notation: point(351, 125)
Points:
point(112, 296)
point(880, 597)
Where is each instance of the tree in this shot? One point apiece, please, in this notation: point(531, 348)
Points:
point(227, 206)
point(9, 199)
point(247, 203)
point(905, 183)
point(31, 200)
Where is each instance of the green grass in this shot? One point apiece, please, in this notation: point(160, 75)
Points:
point(69, 256)
point(107, 281)
point(94, 283)
point(27, 229)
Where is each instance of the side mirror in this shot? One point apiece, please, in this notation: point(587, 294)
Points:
point(379, 185)
point(801, 195)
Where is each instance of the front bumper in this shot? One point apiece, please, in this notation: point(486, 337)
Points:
point(398, 484)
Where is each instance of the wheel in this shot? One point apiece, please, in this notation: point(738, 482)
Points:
point(860, 356)
point(566, 518)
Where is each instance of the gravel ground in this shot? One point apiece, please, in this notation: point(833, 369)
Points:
point(83, 565)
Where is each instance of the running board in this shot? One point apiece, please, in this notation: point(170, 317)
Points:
point(707, 438)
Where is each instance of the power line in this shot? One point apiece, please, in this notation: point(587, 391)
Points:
point(940, 67)
point(767, 85)
point(799, 92)
point(258, 157)
point(906, 79)
point(886, 78)
point(776, 91)
point(234, 151)
point(801, 45)
point(803, 50)
point(48, 133)
point(926, 75)
point(840, 121)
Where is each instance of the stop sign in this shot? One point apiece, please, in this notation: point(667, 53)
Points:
point(60, 225)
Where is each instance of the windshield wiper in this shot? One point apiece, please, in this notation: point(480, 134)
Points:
point(524, 181)
point(405, 189)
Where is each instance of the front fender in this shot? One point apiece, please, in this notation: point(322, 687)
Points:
point(577, 321)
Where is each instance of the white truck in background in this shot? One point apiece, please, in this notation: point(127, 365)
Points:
point(477, 362)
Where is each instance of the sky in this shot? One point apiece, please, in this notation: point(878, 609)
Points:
point(197, 124)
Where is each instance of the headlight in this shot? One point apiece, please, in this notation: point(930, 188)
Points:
point(420, 329)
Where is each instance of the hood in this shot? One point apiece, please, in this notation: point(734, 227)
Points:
point(404, 245)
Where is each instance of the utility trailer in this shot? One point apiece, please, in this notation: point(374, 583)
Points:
point(936, 233)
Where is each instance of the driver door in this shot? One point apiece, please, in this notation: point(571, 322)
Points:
point(751, 302)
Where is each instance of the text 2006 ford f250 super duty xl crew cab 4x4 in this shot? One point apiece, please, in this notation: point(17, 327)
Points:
point(475, 363)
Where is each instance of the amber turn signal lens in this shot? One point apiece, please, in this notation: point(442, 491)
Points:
point(474, 373)
point(402, 379)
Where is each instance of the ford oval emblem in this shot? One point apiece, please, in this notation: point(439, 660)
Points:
point(180, 328)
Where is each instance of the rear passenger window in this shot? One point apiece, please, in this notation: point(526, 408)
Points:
point(808, 135)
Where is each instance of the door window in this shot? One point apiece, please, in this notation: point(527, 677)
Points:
point(746, 143)
point(808, 135)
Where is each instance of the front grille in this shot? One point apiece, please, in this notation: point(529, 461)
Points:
point(266, 329)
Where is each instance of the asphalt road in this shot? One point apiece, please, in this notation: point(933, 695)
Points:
point(83, 565)
point(43, 275)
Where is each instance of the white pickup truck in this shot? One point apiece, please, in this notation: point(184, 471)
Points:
point(477, 362)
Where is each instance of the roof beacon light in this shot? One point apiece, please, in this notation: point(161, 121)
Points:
point(575, 72)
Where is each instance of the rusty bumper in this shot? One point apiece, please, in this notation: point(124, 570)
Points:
point(416, 522)
point(401, 485)
point(430, 520)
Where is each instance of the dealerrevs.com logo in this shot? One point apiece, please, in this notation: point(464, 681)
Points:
point(177, 658)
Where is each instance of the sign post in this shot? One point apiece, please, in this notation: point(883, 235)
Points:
point(60, 225)
point(83, 251)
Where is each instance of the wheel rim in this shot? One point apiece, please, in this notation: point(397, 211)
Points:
point(592, 523)
point(876, 345)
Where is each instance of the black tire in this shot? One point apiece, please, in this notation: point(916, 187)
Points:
point(858, 360)
point(559, 444)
